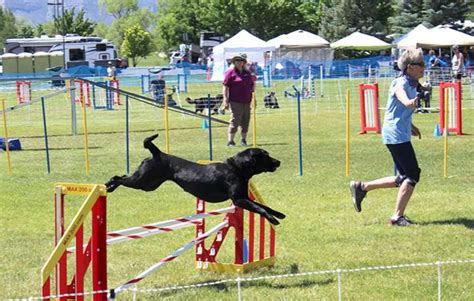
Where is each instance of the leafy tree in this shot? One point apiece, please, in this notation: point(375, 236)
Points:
point(407, 15)
point(443, 12)
point(39, 30)
point(116, 31)
point(136, 43)
point(8, 27)
point(341, 18)
point(69, 23)
point(119, 8)
point(27, 31)
point(266, 19)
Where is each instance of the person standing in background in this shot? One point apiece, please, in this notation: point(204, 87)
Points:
point(111, 71)
point(237, 89)
point(457, 63)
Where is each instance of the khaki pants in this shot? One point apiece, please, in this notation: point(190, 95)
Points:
point(240, 116)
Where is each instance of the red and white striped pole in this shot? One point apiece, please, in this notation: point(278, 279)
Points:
point(171, 257)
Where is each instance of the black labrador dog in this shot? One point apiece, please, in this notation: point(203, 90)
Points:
point(214, 182)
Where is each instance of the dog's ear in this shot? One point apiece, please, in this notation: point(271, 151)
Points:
point(245, 162)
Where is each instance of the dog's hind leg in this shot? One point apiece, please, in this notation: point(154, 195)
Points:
point(255, 207)
point(136, 181)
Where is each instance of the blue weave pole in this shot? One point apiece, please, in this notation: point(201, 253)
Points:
point(46, 146)
point(300, 144)
point(209, 127)
point(127, 137)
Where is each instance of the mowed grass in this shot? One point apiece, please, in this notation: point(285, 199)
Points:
point(321, 230)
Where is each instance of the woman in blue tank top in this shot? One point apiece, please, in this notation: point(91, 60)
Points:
point(396, 134)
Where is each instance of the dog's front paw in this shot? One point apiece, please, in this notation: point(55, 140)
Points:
point(273, 220)
point(279, 215)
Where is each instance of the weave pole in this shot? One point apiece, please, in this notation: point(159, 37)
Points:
point(167, 129)
point(45, 135)
point(171, 257)
point(5, 130)
point(209, 128)
point(348, 141)
point(86, 137)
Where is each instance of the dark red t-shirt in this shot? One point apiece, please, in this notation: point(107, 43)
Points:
point(240, 85)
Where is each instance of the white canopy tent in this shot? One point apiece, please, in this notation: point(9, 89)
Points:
point(360, 41)
point(298, 39)
point(242, 42)
point(410, 39)
point(302, 48)
point(441, 37)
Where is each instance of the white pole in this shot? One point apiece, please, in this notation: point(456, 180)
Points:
point(239, 292)
point(321, 79)
point(339, 284)
point(440, 278)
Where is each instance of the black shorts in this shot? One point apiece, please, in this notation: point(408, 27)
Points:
point(404, 157)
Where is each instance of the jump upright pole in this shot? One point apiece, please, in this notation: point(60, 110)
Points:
point(446, 134)
point(7, 147)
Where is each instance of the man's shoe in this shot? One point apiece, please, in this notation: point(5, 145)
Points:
point(357, 195)
point(402, 221)
point(243, 142)
point(230, 143)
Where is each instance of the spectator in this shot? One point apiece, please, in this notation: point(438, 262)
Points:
point(111, 71)
point(396, 134)
point(238, 87)
point(457, 62)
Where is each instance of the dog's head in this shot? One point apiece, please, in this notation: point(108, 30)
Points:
point(253, 161)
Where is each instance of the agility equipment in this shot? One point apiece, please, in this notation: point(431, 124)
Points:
point(182, 83)
point(452, 94)
point(23, 91)
point(94, 252)
point(112, 94)
point(83, 96)
point(206, 257)
point(369, 108)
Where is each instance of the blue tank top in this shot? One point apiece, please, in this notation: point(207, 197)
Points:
point(398, 118)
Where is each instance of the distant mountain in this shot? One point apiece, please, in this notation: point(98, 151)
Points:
point(40, 11)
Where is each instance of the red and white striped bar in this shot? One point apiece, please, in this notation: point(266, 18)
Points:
point(158, 228)
point(171, 257)
point(163, 225)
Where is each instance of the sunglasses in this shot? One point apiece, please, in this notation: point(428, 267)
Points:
point(421, 64)
point(238, 60)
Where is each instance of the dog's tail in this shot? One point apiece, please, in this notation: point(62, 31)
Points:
point(148, 144)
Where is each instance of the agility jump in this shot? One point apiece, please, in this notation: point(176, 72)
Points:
point(94, 252)
point(452, 94)
point(369, 108)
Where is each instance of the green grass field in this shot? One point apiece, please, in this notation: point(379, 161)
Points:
point(321, 231)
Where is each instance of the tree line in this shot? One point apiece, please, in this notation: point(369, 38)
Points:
point(138, 32)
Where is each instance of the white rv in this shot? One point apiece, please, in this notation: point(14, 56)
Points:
point(91, 51)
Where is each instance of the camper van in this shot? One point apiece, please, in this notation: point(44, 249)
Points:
point(78, 50)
